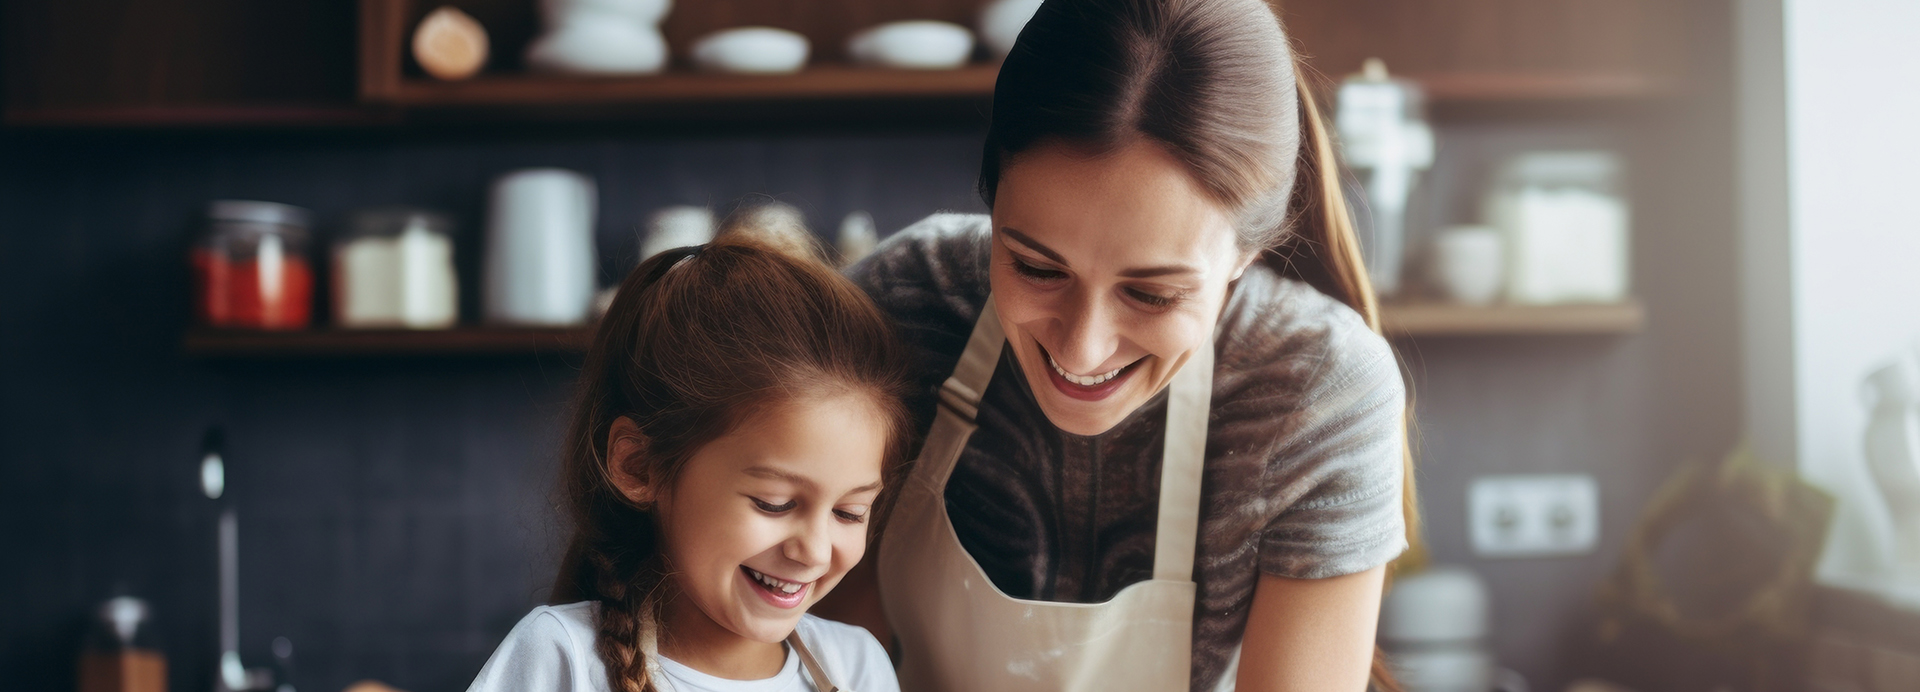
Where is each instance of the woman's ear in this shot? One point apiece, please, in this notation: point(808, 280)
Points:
point(626, 465)
point(1245, 262)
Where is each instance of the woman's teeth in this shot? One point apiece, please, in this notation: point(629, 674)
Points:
point(1082, 381)
point(786, 587)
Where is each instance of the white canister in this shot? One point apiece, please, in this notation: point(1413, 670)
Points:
point(394, 269)
point(1468, 264)
point(540, 263)
point(1566, 226)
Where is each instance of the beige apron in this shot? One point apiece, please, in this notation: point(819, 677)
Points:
point(959, 633)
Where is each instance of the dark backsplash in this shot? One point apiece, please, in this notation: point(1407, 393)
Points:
point(394, 520)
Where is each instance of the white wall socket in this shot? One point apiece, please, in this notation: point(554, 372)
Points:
point(1533, 515)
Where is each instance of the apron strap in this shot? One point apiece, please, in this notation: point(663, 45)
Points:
point(962, 391)
point(1189, 398)
point(812, 665)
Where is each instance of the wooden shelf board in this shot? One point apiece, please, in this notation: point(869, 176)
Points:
point(819, 82)
point(1441, 319)
point(1466, 87)
point(352, 343)
point(196, 116)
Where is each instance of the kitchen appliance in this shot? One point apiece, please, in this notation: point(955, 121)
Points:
point(393, 268)
point(540, 266)
point(250, 268)
point(601, 37)
point(1565, 224)
point(120, 654)
point(1433, 627)
point(677, 226)
point(1385, 140)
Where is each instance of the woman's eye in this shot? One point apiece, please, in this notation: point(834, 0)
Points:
point(1150, 299)
point(771, 508)
point(851, 517)
point(1036, 273)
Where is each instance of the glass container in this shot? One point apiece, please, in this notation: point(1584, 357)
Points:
point(250, 267)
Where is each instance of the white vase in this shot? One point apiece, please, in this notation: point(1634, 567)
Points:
point(1893, 457)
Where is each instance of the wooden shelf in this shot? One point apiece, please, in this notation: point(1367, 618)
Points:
point(1443, 320)
point(349, 343)
point(817, 82)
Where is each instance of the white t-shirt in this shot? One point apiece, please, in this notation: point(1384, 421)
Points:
point(551, 650)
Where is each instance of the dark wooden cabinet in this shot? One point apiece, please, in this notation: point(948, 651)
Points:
point(341, 62)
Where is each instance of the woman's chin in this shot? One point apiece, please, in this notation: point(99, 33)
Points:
point(1080, 416)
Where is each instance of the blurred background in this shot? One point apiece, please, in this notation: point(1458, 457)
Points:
point(292, 293)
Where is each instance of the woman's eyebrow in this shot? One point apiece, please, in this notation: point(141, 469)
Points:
point(1035, 245)
point(1135, 273)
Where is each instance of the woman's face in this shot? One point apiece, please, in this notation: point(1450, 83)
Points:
point(1109, 272)
point(764, 521)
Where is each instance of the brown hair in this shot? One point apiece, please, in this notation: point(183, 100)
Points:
point(1217, 85)
point(698, 340)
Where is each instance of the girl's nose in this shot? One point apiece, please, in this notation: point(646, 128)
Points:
point(811, 544)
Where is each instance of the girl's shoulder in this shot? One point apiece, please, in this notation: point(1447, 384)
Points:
point(549, 650)
point(852, 657)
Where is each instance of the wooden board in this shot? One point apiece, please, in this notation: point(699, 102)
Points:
point(1442, 320)
point(351, 343)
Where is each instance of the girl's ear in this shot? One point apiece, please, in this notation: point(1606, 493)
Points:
point(626, 466)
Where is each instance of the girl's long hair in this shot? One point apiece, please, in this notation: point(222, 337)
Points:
point(697, 341)
point(1215, 83)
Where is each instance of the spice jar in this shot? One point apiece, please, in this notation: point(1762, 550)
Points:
point(250, 267)
point(393, 268)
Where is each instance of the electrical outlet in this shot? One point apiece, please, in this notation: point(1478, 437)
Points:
point(1533, 515)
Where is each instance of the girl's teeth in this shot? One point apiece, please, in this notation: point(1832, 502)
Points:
point(785, 587)
point(1082, 381)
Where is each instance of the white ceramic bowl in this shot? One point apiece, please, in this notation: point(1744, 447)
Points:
point(1001, 22)
point(913, 45)
point(751, 50)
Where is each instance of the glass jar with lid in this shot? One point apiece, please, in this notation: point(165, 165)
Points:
point(250, 267)
point(393, 269)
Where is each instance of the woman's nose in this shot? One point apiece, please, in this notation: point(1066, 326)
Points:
point(1087, 337)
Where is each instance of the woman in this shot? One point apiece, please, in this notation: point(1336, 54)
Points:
point(1167, 445)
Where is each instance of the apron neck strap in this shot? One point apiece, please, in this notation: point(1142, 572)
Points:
point(812, 665)
point(1182, 460)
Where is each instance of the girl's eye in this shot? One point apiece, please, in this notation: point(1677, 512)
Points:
point(851, 517)
point(771, 508)
point(1035, 272)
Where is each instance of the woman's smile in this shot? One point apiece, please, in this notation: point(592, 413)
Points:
point(1088, 387)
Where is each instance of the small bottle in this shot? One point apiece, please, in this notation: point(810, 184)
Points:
point(250, 267)
point(120, 654)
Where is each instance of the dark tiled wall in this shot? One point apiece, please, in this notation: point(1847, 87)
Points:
point(393, 514)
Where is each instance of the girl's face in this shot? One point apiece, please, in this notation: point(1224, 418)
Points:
point(1109, 272)
point(764, 521)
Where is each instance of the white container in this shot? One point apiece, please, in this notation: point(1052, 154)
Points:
point(912, 45)
point(601, 37)
point(1892, 447)
point(1433, 626)
point(540, 264)
point(394, 270)
point(1468, 264)
point(751, 50)
point(1001, 22)
point(1566, 227)
point(1385, 138)
point(678, 226)
point(858, 238)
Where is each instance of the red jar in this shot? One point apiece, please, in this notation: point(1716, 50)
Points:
point(250, 267)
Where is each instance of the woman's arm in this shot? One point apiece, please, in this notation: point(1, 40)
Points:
point(1311, 634)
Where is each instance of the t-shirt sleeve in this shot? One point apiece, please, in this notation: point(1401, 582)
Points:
point(539, 655)
point(1339, 468)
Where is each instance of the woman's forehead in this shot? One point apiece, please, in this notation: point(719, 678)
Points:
point(1134, 205)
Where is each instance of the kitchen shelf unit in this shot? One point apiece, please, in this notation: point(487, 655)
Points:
point(362, 343)
point(1399, 321)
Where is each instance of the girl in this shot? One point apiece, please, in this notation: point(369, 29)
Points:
point(740, 414)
